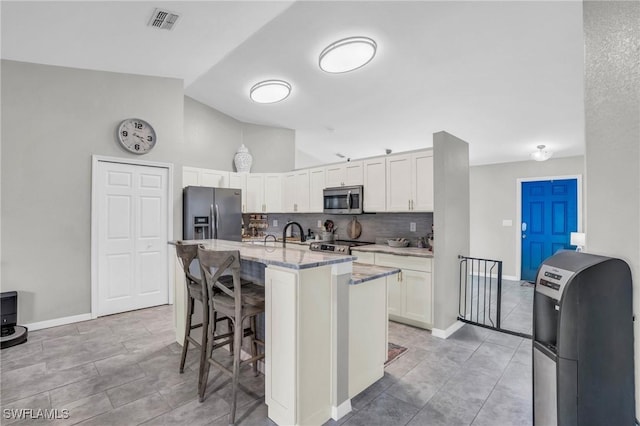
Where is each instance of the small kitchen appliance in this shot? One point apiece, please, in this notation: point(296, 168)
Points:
point(338, 246)
point(343, 200)
point(12, 334)
point(583, 371)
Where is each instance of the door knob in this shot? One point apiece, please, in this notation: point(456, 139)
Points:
point(524, 236)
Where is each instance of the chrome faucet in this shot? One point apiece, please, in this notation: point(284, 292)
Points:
point(284, 233)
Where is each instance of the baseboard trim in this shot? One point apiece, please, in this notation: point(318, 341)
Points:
point(510, 278)
point(444, 334)
point(57, 322)
point(341, 410)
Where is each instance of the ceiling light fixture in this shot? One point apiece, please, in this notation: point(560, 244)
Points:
point(347, 54)
point(541, 154)
point(270, 91)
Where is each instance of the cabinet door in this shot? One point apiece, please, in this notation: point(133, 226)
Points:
point(395, 294)
point(289, 192)
point(417, 296)
point(190, 177)
point(239, 181)
point(422, 166)
point(375, 193)
point(255, 193)
point(353, 173)
point(335, 175)
point(302, 191)
point(273, 193)
point(399, 183)
point(214, 178)
point(316, 187)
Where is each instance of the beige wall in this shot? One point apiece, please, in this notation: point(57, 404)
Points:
point(493, 194)
point(53, 120)
point(612, 118)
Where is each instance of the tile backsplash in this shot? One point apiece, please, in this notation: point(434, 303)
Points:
point(380, 226)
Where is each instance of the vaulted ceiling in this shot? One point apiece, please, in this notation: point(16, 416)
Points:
point(504, 76)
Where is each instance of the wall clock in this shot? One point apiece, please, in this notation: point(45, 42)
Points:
point(136, 135)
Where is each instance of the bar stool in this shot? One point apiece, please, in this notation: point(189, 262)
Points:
point(197, 290)
point(243, 301)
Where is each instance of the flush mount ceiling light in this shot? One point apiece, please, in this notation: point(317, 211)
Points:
point(347, 54)
point(270, 91)
point(541, 154)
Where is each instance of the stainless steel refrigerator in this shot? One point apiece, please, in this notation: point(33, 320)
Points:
point(211, 213)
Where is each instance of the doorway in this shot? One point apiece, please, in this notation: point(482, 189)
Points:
point(549, 213)
point(131, 224)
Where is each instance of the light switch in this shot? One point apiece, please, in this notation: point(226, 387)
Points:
point(275, 222)
point(412, 226)
point(507, 222)
point(319, 224)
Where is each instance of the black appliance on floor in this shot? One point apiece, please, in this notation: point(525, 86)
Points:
point(583, 371)
point(12, 334)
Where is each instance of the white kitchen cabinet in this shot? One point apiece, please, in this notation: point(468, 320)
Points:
point(375, 193)
point(410, 293)
point(195, 176)
point(316, 188)
point(296, 191)
point(422, 175)
point(344, 174)
point(264, 193)
point(239, 181)
point(410, 182)
point(255, 193)
point(273, 193)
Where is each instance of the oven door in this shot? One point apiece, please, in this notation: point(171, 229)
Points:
point(343, 200)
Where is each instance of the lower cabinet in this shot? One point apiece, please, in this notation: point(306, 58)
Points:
point(410, 293)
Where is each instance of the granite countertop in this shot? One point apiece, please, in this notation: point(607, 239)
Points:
point(363, 272)
point(294, 256)
point(400, 251)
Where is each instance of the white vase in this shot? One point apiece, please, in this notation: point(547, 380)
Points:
point(243, 159)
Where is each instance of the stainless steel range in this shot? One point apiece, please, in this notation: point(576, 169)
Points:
point(338, 246)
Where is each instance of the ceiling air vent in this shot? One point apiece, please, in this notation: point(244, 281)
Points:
point(163, 19)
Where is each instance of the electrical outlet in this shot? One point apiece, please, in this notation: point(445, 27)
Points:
point(412, 226)
point(275, 222)
point(319, 224)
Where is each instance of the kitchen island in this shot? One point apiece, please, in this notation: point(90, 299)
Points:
point(325, 328)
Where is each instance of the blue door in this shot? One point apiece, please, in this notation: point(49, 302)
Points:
point(549, 215)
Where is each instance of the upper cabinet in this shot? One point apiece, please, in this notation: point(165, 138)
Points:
point(239, 180)
point(316, 188)
point(344, 174)
point(410, 182)
point(194, 176)
point(296, 191)
point(394, 183)
point(375, 192)
point(264, 193)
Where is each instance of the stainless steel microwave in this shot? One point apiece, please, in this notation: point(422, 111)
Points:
point(343, 200)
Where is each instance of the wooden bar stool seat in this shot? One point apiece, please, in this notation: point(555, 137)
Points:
point(239, 303)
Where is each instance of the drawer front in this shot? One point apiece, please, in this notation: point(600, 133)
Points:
point(404, 262)
point(364, 257)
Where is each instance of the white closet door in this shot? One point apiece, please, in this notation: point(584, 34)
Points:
point(132, 237)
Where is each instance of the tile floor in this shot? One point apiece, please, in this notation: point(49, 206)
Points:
point(123, 370)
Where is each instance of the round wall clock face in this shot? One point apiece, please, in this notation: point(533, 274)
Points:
point(136, 136)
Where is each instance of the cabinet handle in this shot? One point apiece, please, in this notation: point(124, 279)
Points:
point(409, 204)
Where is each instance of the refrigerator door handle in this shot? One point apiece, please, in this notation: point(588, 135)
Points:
point(213, 221)
point(217, 220)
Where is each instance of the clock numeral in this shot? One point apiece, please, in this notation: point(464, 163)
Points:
point(125, 133)
point(150, 138)
point(136, 147)
point(137, 125)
